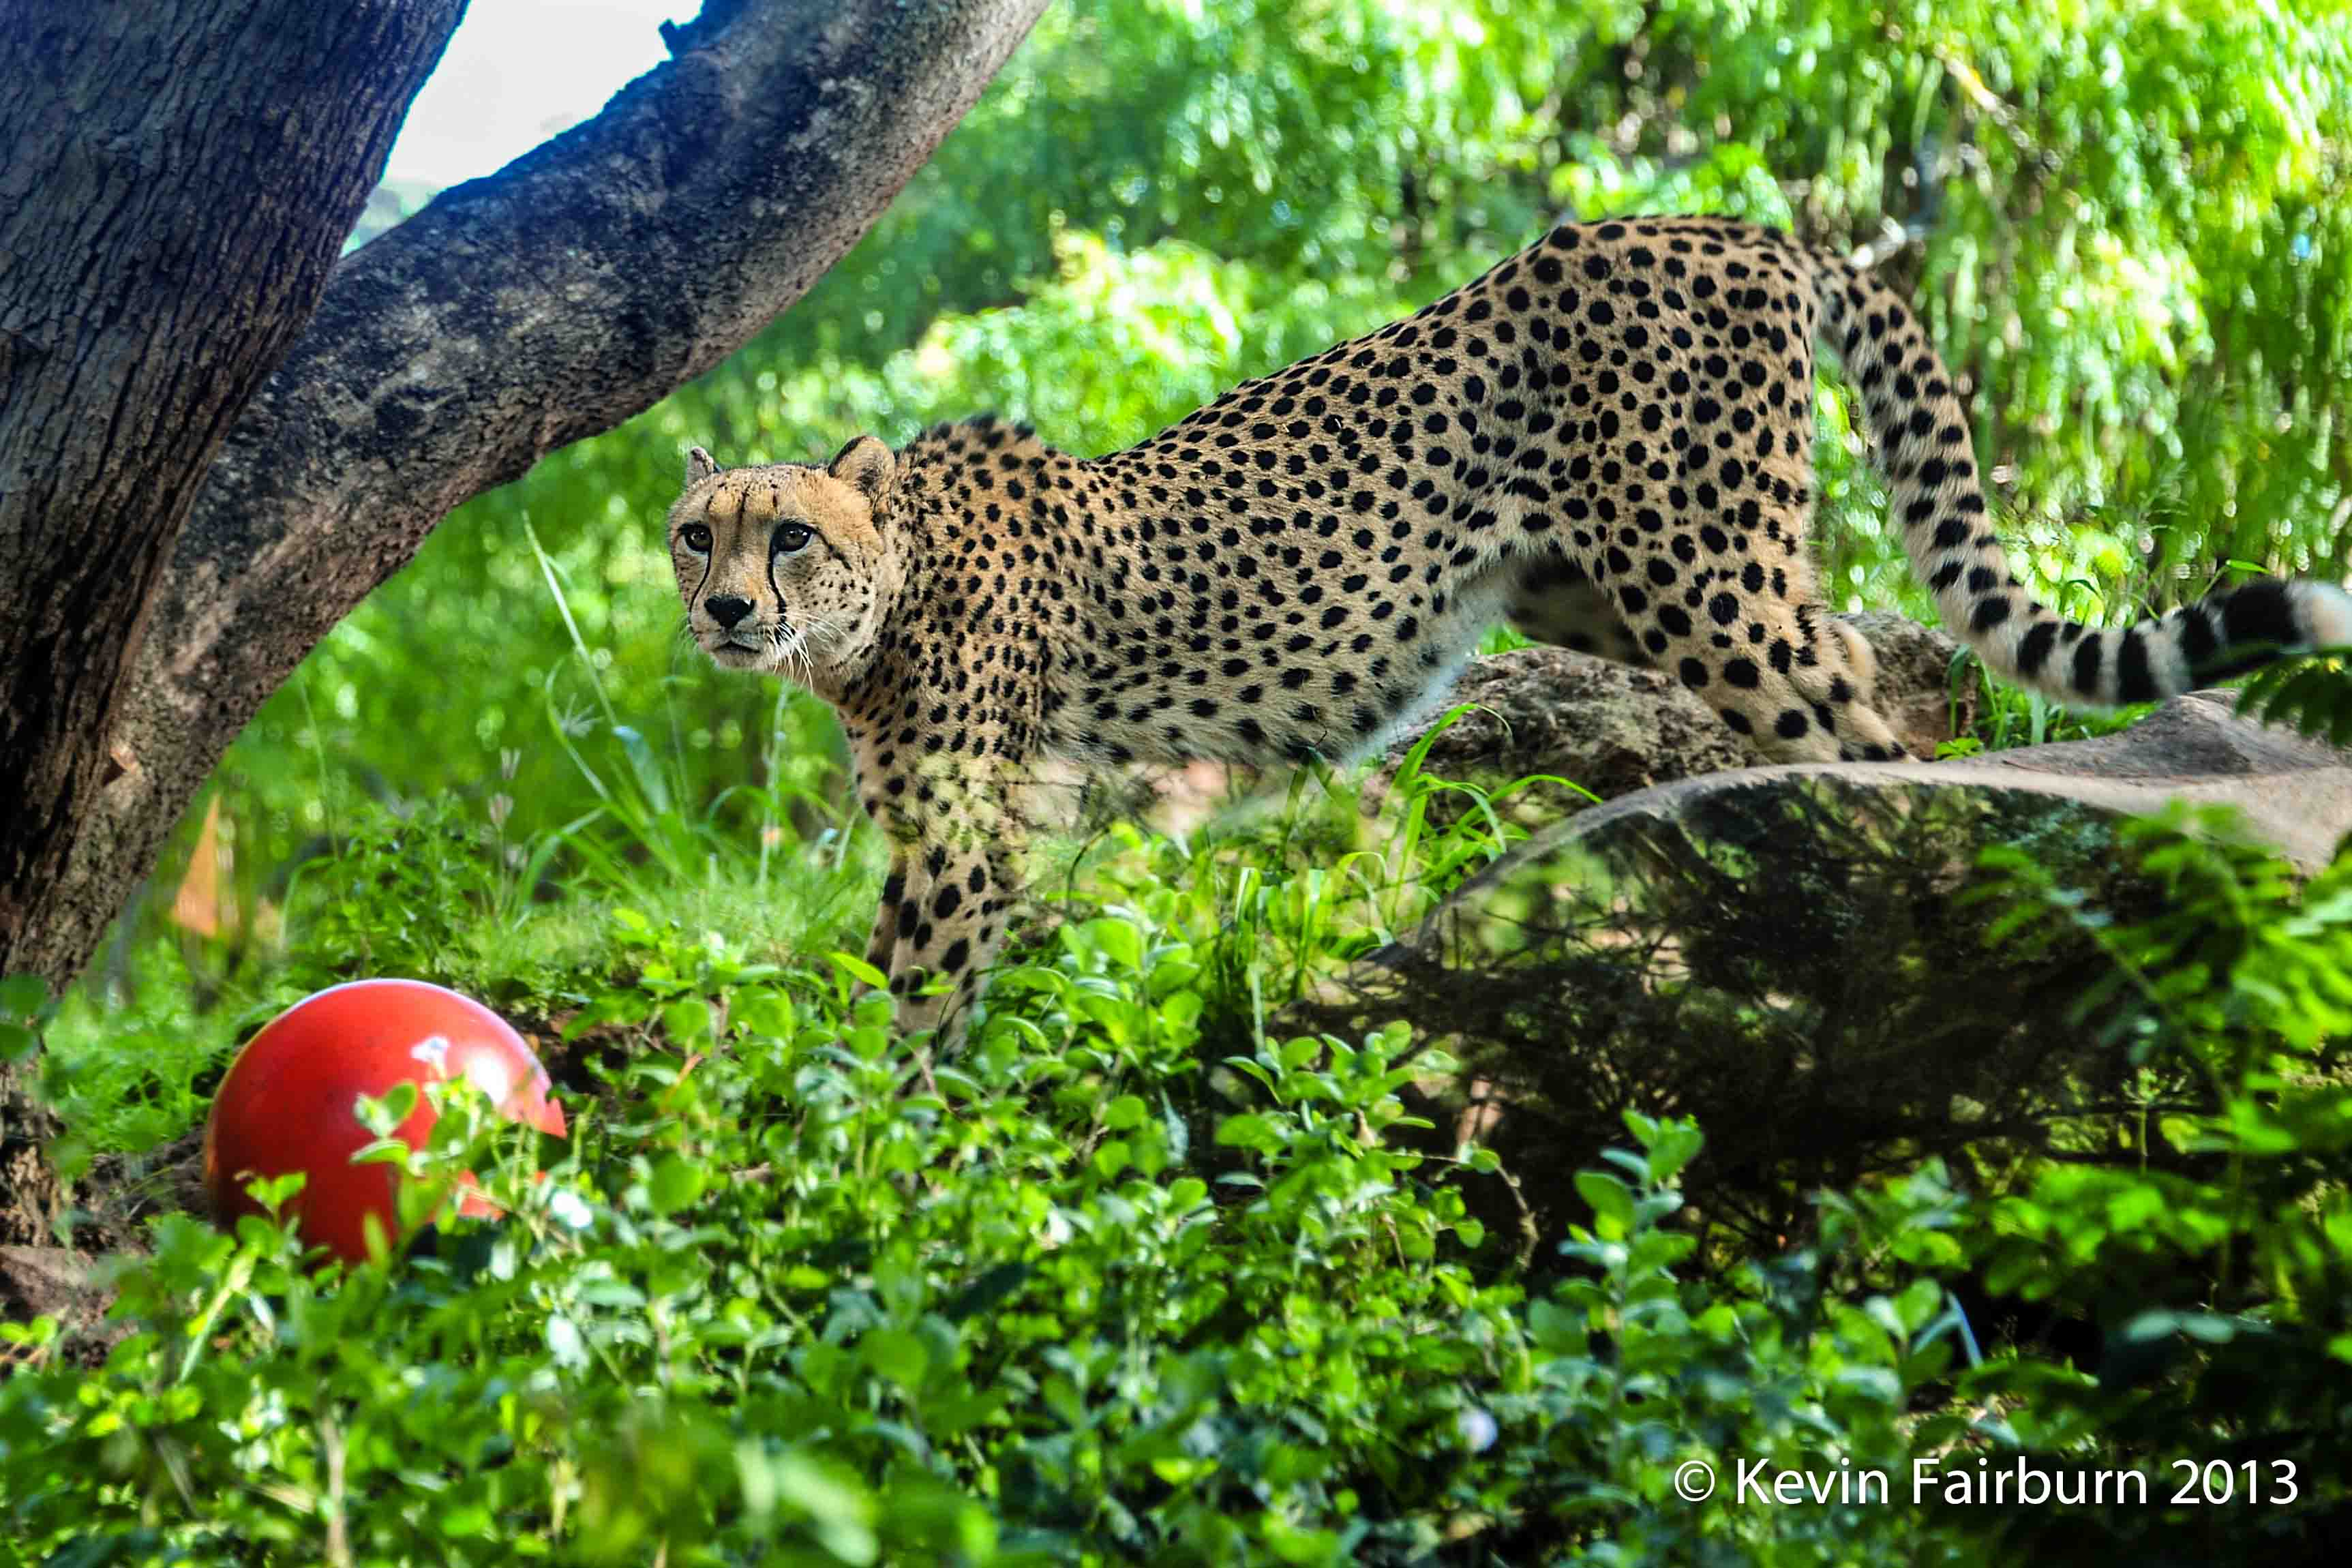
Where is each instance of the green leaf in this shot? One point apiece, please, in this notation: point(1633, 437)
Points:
point(644, 766)
point(1248, 1131)
point(381, 1114)
point(687, 1022)
point(840, 1510)
point(992, 1288)
point(467, 1520)
point(896, 1355)
point(1672, 1147)
point(564, 1344)
point(22, 995)
point(857, 969)
point(1119, 941)
point(1612, 1201)
point(677, 1182)
point(1875, 1383)
point(1555, 1327)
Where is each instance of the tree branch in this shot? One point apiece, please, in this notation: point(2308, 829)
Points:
point(546, 303)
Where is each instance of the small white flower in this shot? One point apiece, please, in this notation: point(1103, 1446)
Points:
point(570, 1210)
point(1477, 1428)
point(433, 1052)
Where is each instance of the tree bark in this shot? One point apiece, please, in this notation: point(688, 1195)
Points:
point(516, 313)
point(180, 177)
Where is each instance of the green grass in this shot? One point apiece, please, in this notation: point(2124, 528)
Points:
point(1137, 1276)
point(2010, 716)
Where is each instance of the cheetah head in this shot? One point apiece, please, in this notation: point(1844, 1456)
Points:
point(784, 567)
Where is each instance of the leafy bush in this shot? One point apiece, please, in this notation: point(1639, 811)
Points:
point(2203, 1239)
point(1126, 1282)
point(1143, 1277)
point(783, 1295)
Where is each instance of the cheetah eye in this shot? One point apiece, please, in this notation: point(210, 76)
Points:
point(696, 537)
point(792, 538)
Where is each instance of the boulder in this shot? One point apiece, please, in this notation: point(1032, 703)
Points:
point(2295, 792)
point(1610, 728)
point(1797, 956)
point(1578, 727)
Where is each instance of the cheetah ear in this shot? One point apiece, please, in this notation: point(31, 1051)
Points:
point(867, 464)
point(699, 466)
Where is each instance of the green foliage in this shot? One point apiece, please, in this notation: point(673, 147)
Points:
point(24, 1006)
point(1135, 1278)
point(2312, 693)
point(1140, 1276)
point(1024, 1315)
point(2209, 1247)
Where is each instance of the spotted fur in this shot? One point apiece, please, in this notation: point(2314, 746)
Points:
point(1606, 439)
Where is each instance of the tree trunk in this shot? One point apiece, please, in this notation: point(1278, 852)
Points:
point(180, 177)
point(516, 314)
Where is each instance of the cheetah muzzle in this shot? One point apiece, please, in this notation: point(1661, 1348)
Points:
point(1607, 439)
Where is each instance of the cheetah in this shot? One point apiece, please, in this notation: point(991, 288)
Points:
point(1606, 439)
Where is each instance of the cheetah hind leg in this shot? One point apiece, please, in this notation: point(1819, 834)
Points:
point(1555, 602)
point(1841, 683)
point(1798, 692)
point(883, 941)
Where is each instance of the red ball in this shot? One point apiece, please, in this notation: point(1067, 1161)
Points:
point(287, 1101)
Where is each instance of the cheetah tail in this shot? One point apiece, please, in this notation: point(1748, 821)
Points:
point(1922, 435)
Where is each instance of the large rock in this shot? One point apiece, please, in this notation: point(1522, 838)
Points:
point(1583, 727)
point(1794, 956)
point(2295, 792)
point(1610, 729)
point(1551, 713)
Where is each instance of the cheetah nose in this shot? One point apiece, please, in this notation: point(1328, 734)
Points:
point(727, 609)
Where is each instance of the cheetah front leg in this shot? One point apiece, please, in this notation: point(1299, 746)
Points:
point(950, 922)
point(947, 793)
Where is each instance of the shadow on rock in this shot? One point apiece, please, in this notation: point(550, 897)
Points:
point(1802, 968)
point(1797, 957)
